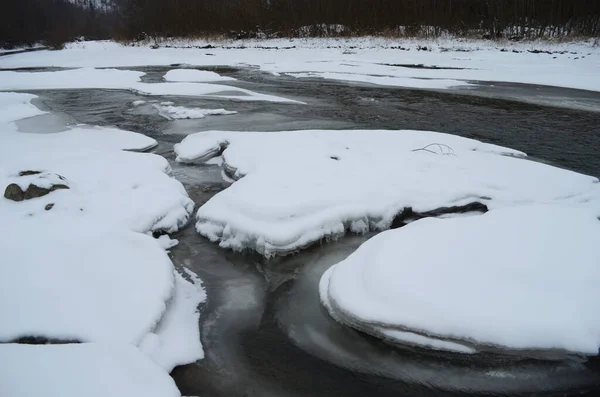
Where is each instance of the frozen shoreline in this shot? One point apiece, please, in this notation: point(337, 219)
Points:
point(438, 63)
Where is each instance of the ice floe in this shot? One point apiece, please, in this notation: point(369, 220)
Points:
point(522, 278)
point(171, 112)
point(295, 188)
point(195, 76)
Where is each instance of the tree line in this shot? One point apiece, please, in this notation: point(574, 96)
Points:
point(27, 21)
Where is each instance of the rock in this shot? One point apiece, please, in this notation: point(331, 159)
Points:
point(34, 191)
point(13, 192)
point(25, 173)
point(48, 207)
point(54, 181)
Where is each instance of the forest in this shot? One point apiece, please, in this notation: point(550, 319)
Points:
point(54, 22)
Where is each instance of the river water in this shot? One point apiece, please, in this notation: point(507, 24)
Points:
point(263, 330)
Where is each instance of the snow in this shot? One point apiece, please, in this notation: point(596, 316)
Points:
point(295, 188)
point(516, 278)
point(195, 76)
point(176, 341)
point(73, 370)
point(406, 82)
point(78, 263)
point(16, 106)
point(123, 79)
point(180, 112)
point(390, 334)
point(401, 62)
point(91, 284)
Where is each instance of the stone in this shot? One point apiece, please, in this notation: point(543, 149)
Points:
point(13, 192)
point(48, 207)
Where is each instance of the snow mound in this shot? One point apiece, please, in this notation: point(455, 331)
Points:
point(105, 182)
point(521, 278)
point(180, 112)
point(74, 267)
point(295, 188)
point(69, 279)
point(195, 76)
point(75, 370)
point(176, 340)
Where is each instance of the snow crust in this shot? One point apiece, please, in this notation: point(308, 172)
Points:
point(88, 369)
point(195, 76)
point(515, 278)
point(402, 62)
point(89, 77)
point(171, 112)
point(299, 187)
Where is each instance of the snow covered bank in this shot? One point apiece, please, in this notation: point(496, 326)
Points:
point(125, 80)
point(79, 265)
point(522, 278)
point(176, 340)
point(298, 187)
point(400, 62)
point(87, 369)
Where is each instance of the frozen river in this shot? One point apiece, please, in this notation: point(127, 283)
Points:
point(263, 330)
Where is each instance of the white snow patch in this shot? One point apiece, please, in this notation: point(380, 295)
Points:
point(301, 186)
point(180, 112)
point(408, 82)
point(64, 277)
point(516, 278)
point(176, 341)
point(195, 76)
point(75, 370)
point(124, 80)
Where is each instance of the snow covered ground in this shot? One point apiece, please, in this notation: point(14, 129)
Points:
point(403, 62)
point(522, 278)
point(295, 188)
point(79, 263)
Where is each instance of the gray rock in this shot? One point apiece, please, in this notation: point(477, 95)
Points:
point(13, 192)
point(34, 191)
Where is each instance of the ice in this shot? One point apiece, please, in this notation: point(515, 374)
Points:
point(406, 62)
point(176, 341)
point(171, 112)
point(195, 76)
point(15, 106)
point(297, 187)
point(407, 82)
point(69, 79)
point(522, 278)
point(75, 370)
point(125, 80)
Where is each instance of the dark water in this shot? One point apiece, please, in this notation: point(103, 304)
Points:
point(263, 330)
